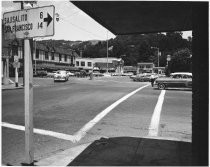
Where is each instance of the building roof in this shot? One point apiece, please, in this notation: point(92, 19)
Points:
point(104, 59)
point(132, 17)
point(147, 63)
point(103, 66)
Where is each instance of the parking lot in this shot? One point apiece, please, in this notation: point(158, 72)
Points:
point(79, 111)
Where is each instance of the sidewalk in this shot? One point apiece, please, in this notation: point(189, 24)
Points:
point(121, 151)
point(11, 85)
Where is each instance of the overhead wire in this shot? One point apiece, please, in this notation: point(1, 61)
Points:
point(83, 29)
point(64, 18)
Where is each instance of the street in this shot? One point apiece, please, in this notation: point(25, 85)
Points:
point(81, 110)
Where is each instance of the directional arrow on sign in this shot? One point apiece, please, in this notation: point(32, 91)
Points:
point(48, 19)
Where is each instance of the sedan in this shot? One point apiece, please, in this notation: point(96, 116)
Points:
point(61, 75)
point(178, 80)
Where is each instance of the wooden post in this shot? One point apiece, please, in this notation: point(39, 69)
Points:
point(28, 73)
point(16, 77)
point(6, 80)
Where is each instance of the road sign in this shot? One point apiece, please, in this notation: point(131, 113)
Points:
point(168, 57)
point(16, 58)
point(16, 64)
point(29, 23)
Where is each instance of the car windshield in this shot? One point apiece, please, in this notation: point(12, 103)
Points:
point(179, 76)
point(61, 72)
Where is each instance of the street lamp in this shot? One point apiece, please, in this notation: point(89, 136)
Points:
point(159, 53)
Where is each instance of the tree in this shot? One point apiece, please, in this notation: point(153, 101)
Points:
point(181, 61)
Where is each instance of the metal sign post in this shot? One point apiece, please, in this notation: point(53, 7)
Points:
point(26, 24)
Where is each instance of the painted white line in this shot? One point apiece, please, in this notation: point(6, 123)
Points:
point(167, 138)
point(40, 131)
point(114, 81)
point(153, 128)
point(82, 132)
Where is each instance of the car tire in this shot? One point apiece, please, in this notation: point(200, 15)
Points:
point(161, 86)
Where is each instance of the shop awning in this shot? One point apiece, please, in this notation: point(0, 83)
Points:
point(130, 17)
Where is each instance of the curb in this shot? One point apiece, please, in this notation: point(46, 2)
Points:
point(12, 88)
point(63, 158)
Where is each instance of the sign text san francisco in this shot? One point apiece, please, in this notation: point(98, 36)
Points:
point(16, 28)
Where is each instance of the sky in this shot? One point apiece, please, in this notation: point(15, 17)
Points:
point(73, 24)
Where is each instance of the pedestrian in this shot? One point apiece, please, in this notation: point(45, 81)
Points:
point(152, 79)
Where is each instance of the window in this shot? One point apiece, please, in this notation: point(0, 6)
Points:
point(82, 63)
point(72, 60)
point(59, 57)
point(65, 58)
point(37, 54)
point(52, 56)
point(89, 64)
point(187, 76)
point(177, 76)
point(46, 56)
point(77, 63)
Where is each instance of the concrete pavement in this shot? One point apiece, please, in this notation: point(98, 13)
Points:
point(121, 151)
point(11, 86)
point(118, 150)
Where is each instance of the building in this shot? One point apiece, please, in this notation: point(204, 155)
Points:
point(130, 69)
point(159, 70)
point(45, 57)
point(115, 65)
point(145, 67)
point(51, 58)
point(84, 63)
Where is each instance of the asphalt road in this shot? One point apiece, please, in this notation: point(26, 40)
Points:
point(67, 107)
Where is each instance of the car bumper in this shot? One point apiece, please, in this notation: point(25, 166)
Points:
point(59, 79)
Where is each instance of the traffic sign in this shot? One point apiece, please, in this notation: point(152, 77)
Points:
point(16, 58)
point(168, 57)
point(29, 23)
point(16, 64)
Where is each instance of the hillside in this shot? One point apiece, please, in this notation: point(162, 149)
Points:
point(134, 48)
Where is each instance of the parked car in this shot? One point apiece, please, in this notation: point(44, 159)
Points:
point(61, 75)
point(97, 74)
point(132, 76)
point(70, 74)
point(178, 79)
point(142, 77)
point(51, 74)
point(40, 73)
point(127, 74)
point(116, 74)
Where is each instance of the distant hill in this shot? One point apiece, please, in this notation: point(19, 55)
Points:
point(133, 48)
point(71, 44)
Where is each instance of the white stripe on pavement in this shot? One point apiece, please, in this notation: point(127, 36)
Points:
point(82, 132)
point(40, 131)
point(114, 81)
point(153, 128)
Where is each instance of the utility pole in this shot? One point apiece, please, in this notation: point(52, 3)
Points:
point(158, 53)
point(107, 53)
point(22, 41)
